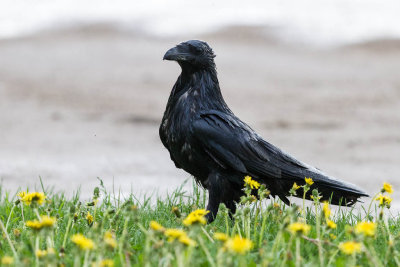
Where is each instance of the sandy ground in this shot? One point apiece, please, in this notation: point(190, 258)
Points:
point(84, 103)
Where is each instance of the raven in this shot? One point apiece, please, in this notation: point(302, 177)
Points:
point(207, 140)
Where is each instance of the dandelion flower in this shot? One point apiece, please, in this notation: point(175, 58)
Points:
point(82, 242)
point(35, 197)
point(250, 182)
point(295, 186)
point(383, 200)
point(350, 247)
point(387, 188)
point(221, 237)
point(107, 263)
point(89, 218)
point(332, 236)
point(173, 234)
point(196, 216)
point(309, 181)
point(110, 240)
point(331, 224)
point(7, 260)
point(40, 253)
point(45, 222)
point(238, 244)
point(184, 239)
point(156, 226)
point(48, 221)
point(326, 210)
point(21, 194)
point(299, 228)
point(366, 228)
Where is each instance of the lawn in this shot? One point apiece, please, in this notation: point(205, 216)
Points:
point(47, 229)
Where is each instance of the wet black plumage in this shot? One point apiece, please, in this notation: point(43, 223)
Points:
point(208, 141)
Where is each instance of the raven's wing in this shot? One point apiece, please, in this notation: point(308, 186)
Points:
point(233, 144)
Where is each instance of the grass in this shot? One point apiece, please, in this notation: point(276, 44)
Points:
point(120, 232)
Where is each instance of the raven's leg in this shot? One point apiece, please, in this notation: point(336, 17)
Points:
point(215, 186)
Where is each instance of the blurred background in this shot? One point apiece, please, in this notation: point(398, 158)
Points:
point(83, 86)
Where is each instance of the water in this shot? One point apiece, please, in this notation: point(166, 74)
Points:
point(320, 22)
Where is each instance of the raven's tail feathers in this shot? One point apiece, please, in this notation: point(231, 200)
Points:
point(335, 191)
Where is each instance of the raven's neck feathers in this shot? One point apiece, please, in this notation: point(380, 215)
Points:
point(201, 86)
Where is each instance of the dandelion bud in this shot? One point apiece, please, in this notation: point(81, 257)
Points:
point(96, 192)
point(243, 200)
point(246, 211)
point(17, 232)
point(90, 204)
point(223, 208)
point(111, 211)
point(72, 209)
point(175, 210)
point(263, 187)
point(133, 208)
point(62, 252)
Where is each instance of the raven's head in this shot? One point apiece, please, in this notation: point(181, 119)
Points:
point(194, 54)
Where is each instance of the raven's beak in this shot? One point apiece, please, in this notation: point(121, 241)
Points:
point(175, 54)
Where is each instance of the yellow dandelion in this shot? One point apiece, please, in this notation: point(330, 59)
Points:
point(250, 182)
point(309, 181)
point(110, 240)
point(221, 237)
point(35, 197)
point(107, 263)
point(387, 188)
point(299, 228)
point(7, 260)
point(35, 225)
point(48, 221)
point(45, 222)
point(238, 244)
point(173, 234)
point(195, 217)
point(82, 242)
point(89, 218)
point(21, 194)
point(350, 247)
point(331, 224)
point(156, 226)
point(326, 210)
point(184, 239)
point(40, 253)
point(383, 200)
point(295, 186)
point(366, 228)
point(332, 236)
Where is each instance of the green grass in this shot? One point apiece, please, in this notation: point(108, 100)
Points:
point(263, 222)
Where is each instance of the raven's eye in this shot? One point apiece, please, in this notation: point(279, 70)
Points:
point(196, 49)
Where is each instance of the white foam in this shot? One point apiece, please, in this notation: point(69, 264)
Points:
point(313, 21)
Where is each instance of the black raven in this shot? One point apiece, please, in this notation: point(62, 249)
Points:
point(207, 140)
